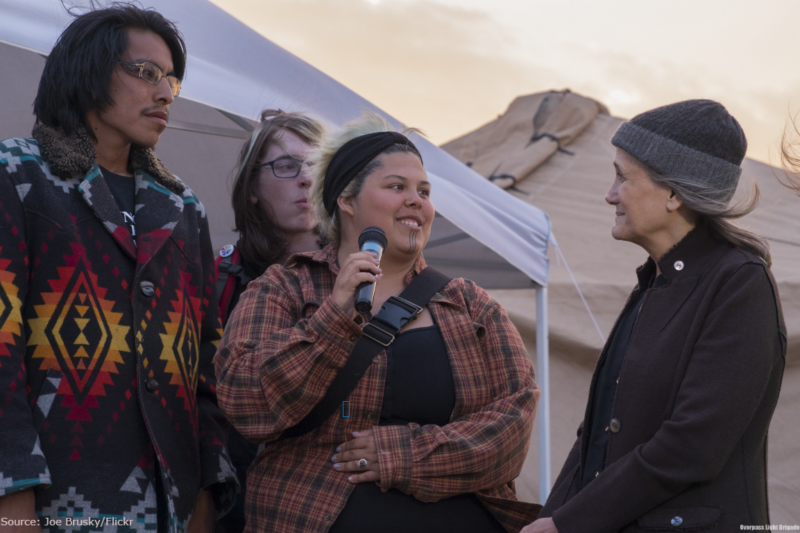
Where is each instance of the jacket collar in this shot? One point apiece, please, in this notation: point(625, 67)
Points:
point(69, 155)
point(159, 196)
point(690, 257)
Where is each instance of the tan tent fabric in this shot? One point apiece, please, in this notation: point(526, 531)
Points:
point(570, 188)
point(531, 130)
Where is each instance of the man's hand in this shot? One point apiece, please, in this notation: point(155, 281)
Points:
point(543, 525)
point(204, 515)
point(20, 506)
point(351, 452)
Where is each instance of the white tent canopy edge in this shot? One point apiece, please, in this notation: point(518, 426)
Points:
point(227, 58)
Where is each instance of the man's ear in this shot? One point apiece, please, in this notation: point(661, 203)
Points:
point(345, 204)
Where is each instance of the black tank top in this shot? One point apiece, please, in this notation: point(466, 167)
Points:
point(419, 388)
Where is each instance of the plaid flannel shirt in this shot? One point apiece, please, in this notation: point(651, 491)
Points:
point(283, 346)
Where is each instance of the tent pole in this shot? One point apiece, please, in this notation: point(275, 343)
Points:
point(543, 380)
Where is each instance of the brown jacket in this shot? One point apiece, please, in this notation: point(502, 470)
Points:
point(697, 389)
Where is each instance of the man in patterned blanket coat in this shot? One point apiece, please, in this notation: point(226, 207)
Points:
point(108, 318)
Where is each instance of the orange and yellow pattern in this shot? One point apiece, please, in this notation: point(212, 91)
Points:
point(10, 308)
point(78, 333)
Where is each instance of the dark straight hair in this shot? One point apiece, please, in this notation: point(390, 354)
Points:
point(78, 71)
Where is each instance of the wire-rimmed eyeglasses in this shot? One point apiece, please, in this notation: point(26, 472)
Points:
point(152, 74)
point(286, 167)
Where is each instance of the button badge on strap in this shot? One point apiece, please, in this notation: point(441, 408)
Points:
point(226, 250)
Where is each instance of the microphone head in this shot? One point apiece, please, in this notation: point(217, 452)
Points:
point(374, 234)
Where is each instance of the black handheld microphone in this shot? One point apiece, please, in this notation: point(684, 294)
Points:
point(372, 239)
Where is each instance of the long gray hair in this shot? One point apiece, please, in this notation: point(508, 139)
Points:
point(716, 214)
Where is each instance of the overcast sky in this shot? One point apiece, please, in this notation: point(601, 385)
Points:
point(448, 66)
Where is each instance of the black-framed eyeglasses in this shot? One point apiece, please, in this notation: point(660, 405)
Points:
point(286, 167)
point(152, 74)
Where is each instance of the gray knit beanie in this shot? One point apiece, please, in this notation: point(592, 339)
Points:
point(697, 142)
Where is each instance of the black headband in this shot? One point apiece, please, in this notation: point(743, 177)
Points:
point(351, 159)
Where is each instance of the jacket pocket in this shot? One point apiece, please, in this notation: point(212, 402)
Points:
point(680, 519)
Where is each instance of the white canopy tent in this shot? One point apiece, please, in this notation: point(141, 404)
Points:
point(232, 74)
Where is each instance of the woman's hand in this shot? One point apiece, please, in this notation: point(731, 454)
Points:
point(543, 525)
point(351, 452)
point(358, 268)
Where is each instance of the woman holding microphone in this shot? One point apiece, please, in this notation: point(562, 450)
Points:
point(438, 426)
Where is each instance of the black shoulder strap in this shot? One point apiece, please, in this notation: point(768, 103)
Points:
point(227, 267)
point(222, 280)
point(378, 334)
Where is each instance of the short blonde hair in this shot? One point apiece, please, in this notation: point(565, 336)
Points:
point(329, 224)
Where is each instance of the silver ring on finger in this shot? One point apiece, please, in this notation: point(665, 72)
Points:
point(362, 464)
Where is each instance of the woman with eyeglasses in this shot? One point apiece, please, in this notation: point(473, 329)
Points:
point(274, 220)
point(270, 202)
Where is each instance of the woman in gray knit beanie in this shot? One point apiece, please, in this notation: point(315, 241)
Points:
point(674, 436)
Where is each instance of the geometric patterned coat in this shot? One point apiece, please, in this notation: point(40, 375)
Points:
point(106, 345)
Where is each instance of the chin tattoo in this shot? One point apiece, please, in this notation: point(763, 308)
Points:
point(412, 242)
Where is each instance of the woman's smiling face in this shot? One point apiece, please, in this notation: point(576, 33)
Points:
point(641, 204)
point(395, 198)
